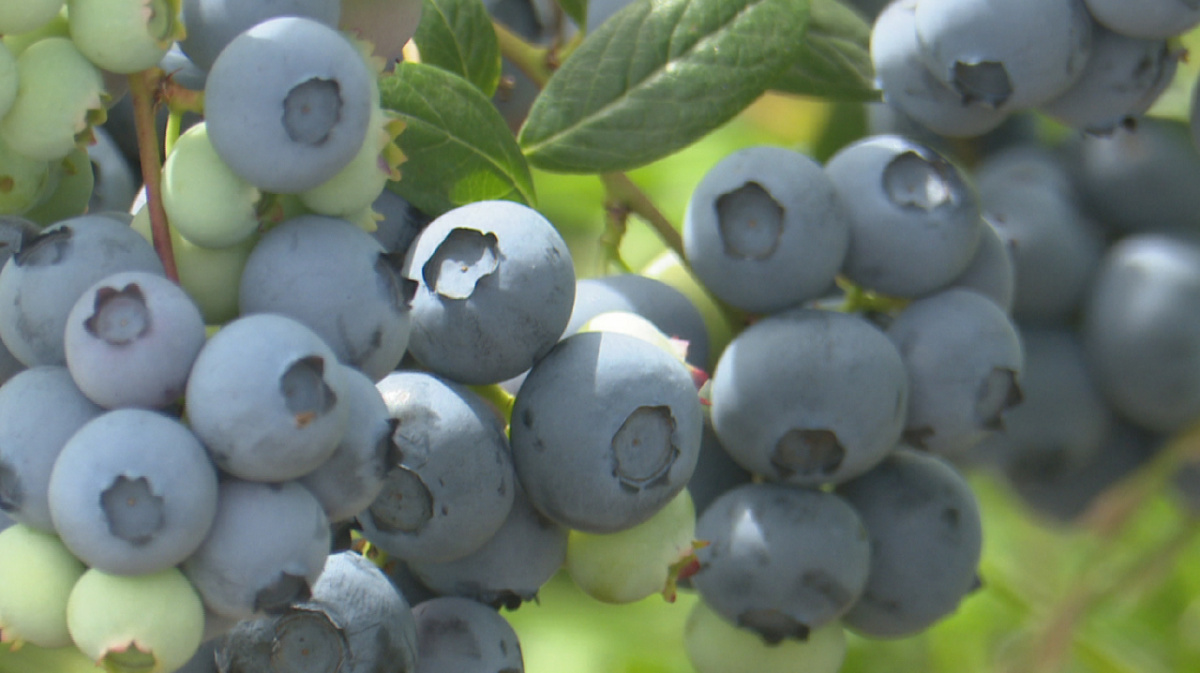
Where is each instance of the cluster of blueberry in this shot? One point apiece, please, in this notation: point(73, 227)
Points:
point(839, 399)
point(1101, 299)
point(961, 67)
point(136, 527)
point(447, 398)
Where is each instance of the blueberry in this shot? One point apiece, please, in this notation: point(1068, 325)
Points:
point(926, 540)
point(265, 550)
point(911, 88)
point(1062, 419)
point(40, 409)
point(964, 365)
point(1124, 76)
point(764, 230)
point(450, 482)
point(1004, 55)
point(670, 311)
point(1147, 19)
point(213, 24)
point(458, 635)
point(287, 104)
point(131, 340)
point(265, 397)
point(335, 279)
point(496, 286)
point(810, 397)
point(355, 622)
point(1140, 180)
point(350, 480)
point(781, 560)
point(50, 271)
point(509, 568)
point(133, 492)
point(1142, 331)
point(1055, 249)
point(605, 431)
point(914, 217)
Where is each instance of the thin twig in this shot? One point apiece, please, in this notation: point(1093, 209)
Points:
point(142, 86)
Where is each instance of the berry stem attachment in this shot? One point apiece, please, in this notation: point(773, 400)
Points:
point(142, 86)
point(174, 126)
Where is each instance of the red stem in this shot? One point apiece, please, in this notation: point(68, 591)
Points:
point(141, 88)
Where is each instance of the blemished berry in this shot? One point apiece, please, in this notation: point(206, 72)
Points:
point(265, 550)
point(810, 397)
point(1004, 55)
point(213, 24)
point(765, 230)
point(458, 635)
point(605, 431)
point(288, 104)
point(926, 539)
point(131, 340)
point(50, 271)
point(449, 484)
point(495, 288)
point(151, 622)
point(124, 36)
point(782, 560)
point(133, 492)
point(39, 572)
point(265, 396)
point(914, 217)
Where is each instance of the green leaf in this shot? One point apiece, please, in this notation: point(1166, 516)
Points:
point(457, 35)
point(576, 9)
point(459, 148)
point(835, 61)
point(657, 76)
